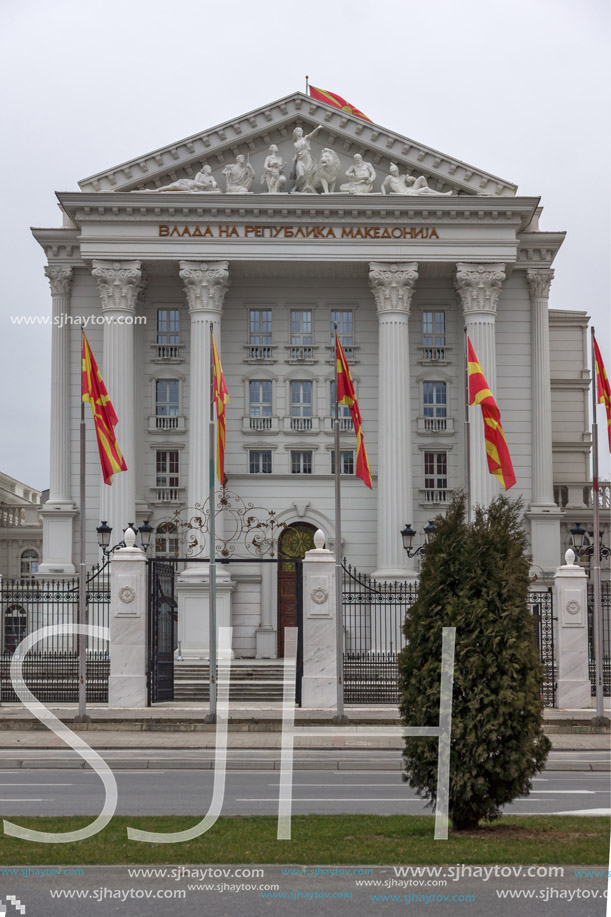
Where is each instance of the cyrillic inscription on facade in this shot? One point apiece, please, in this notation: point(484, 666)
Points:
point(270, 231)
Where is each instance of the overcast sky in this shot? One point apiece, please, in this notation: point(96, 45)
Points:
point(519, 89)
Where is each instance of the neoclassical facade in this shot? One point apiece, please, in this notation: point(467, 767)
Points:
point(271, 227)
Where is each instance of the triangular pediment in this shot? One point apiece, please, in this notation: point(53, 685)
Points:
point(252, 134)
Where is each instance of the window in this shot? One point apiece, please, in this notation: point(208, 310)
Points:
point(434, 405)
point(301, 463)
point(260, 398)
point(345, 418)
point(29, 562)
point(301, 406)
point(260, 334)
point(168, 333)
point(301, 334)
point(167, 477)
point(434, 329)
point(346, 462)
point(166, 540)
point(260, 462)
point(166, 397)
point(436, 477)
point(345, 326)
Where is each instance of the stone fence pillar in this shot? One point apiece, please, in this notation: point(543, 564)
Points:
point(319, 681)
point(127, 683)
point(571, 604)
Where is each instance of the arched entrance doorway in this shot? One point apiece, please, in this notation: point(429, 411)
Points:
point(294, 542)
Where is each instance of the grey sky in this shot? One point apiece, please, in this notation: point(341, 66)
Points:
point(520, 89)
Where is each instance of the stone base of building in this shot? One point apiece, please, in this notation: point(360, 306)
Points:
point(265, 638)
point(57, 541)
point(127, 691)
point(545, 536)
point(193, 596)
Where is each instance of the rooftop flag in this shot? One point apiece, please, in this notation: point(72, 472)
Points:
point(346, 395)
point(602, 386)
point(220, 396)
point(104, 417)
point(499, 460)
point(331, 98)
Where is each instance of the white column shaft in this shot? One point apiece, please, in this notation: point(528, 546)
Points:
point(542, 480)
point(60, 279)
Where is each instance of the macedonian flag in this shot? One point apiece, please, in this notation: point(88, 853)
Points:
point(331, 98)
point(346, 395)
point(602, 386)
point(104, 417)
point(220, 396)
point(499, 460)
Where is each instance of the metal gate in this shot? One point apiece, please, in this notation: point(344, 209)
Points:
point(606, 608)
point(374, 614)
point(163, 618)
point(541, 606)
point(51, 670)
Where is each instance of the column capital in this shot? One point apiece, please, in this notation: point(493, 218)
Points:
point(60, 278)
point(393, 285)
point(539, 281)
point(119, 283)
point(479, 286)
point(205, 283)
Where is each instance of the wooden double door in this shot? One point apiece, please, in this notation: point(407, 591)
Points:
point(294, 542)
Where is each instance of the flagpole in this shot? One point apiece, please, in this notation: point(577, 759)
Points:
point(598, 618)
point(467, 430)
point(211, 718)
point(307, 84)
point(82, 572)
point(340, 716)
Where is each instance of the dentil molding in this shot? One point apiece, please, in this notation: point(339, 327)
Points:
point(393, 285)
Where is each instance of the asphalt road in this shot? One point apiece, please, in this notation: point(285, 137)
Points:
point(106, 891)
point(363, 790)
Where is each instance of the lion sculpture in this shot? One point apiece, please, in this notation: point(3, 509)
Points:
point(328, 170)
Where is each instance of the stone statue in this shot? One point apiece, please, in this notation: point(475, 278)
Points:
point(272, 171)
point(395, 183)
point(203, 181)
point(304, 167)
point(361, 175)
point(239, 176)
point(328, 170)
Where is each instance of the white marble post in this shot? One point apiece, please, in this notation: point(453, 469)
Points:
point(319, 681)
point(128, 632)
point(543, 513)
point(119, 285)
point(59, 511)
point(205, 286)
point(571, 605)
point(479, 287)
point(393, 286)
point(265, 634)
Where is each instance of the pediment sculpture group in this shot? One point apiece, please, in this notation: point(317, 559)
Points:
point(306, 177)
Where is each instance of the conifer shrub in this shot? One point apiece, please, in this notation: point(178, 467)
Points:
point(475, 578)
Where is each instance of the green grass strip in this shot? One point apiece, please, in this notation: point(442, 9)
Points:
point(321, 839)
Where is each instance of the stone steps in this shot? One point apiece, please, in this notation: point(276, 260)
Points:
point(260, 683)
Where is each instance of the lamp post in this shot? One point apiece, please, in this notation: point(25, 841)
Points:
point(105, 531)
point(408, 534)
point(587, 550)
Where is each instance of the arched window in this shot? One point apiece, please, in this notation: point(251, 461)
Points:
point(166, 540)
point(15, 627)
point(29, 561)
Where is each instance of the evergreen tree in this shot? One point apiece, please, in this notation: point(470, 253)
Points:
point(475, 578)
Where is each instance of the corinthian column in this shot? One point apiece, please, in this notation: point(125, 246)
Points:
point(539, 283)
point(479, 287)
point(393, 286)
point(119, 285)
point(59, 511)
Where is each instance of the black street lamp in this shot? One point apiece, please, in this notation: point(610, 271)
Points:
point(105, 531)
point(408, 533)
point(146, 533)
point(586, 551)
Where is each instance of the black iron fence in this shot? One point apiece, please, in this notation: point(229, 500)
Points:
point(606, 609)
point(374, 613)
point(541, 606)
point(50, 669)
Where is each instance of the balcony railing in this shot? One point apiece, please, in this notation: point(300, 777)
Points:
point(159, 424)
point(260, 353)
point(433, 353)
point(435, 425)
point(15, 515)
point(301, 425)
point(437, 495)
point(579, 495)
point(300, 353)
point(167, 494)
point(345, 424)
point(167, 352)
point(259, 425)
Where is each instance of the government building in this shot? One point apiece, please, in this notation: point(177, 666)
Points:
point(273, 227)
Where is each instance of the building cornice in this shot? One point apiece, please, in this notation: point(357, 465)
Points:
point(250, 131)
point(537, 250)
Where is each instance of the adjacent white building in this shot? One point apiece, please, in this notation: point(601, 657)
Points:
point(402, 264)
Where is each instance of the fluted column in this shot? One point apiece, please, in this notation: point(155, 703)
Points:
point(393, 286)
point(479, 287)
point(539, 282)
point(60, 280)
point(119, 284)
point(205, 287)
